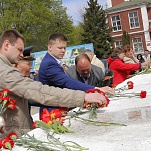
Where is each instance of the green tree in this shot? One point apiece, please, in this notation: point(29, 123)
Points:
point(76, 35)
point(125, 38)
point(35, 20)
point(96, 29)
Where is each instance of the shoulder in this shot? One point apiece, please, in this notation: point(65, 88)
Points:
point(96, 69)
point(71, 70)
point(126, 59)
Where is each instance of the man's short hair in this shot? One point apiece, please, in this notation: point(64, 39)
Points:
point(79, 57)
point(11, 35)
point(57, 36)
point(147, 50)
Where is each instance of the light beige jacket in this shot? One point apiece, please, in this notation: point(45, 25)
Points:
point(95, 61)
point(23, 89)
point(130, 60)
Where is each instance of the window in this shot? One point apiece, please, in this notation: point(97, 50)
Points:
point(116, 23)
point(138, 45)
point(133, 19)
point(118, 43)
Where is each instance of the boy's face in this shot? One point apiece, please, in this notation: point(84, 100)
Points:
point(57, 49)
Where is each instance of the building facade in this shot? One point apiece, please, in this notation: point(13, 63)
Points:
point(133, 16)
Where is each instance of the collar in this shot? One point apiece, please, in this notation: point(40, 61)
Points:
point(58, 60)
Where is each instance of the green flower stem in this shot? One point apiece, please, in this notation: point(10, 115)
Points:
point(65, 145)
point(56, 127)
point(53, 144)
point(2, 108)
point(96, 123)
point(127, 95)
point(93, 112)
point(121, 89)
point(145, 71)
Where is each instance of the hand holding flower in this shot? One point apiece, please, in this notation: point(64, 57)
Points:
point(92, 107)
point(95, 98)
point(107, 89)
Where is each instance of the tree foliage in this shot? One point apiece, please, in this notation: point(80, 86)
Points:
point(125, 38)
point(35, 20)
point(96, 29)
point(76, 35)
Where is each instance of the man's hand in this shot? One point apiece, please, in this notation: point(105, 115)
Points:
point(2, 125)
point(95, 98)
point(107, 89)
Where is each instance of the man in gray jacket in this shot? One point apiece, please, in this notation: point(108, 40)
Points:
point(23, 88)
point(85, 72)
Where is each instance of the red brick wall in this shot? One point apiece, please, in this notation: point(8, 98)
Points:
point(125, 21)
point(140, 35)
point(126, 26)
point(149, 12)
point(116, 2)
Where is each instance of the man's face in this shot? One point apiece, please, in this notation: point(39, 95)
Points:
point(57, 49)
point(14, 53)
point(24, 67)
point(146, 53)
point(83, 67)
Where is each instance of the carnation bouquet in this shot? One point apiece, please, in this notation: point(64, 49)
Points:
point(6, 102)
point(92, 107)
point(52, 120)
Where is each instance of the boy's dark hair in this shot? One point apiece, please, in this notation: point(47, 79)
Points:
point(52, 38)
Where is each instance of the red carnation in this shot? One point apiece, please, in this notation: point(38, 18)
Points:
point(5, 91)
point(34, 125)
point(130, 85)
point(12, 136)
point(45, 116)
point(11, 104)
point(56, 113)
point(7, 143)
point(143, 94)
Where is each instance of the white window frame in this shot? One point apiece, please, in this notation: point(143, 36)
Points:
point(119, 43)
point(115, 23)
point(133, 20)
point(138, 45)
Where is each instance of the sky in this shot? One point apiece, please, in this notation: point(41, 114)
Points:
point(74, 7)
